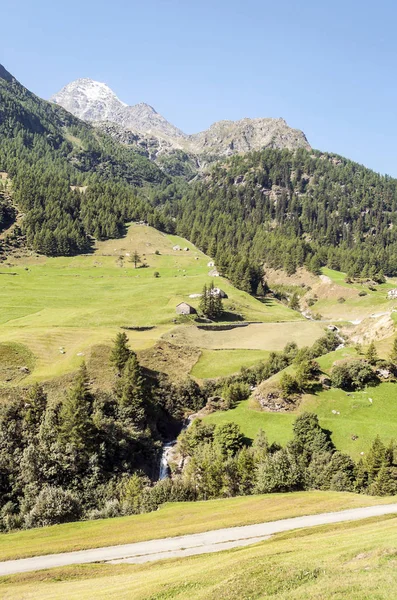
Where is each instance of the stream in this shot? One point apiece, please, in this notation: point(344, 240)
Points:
point(164, 468)
point(164, 471)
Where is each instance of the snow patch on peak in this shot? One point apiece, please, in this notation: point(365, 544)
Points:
point(93, 90)
point(92, 100)
point(89, 100)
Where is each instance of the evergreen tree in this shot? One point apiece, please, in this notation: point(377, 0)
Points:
point(136, 259)
point(203, 306)
point(371, 354)
point(76, 425)
point(376, 457)
point(294, 302)
point(393, 353)
point(120, 351)
point(35, 405)
point(211, 303)
point(131, 392)
point(260, 445)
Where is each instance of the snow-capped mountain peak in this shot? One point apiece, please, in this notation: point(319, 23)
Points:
point(94, 101)
point(89, 100)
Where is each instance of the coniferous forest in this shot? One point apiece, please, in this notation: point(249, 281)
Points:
point(292, 208)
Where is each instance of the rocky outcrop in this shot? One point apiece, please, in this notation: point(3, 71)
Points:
point(226, 138)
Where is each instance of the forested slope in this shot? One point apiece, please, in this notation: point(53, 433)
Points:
point(45, 151)
point(289, 208)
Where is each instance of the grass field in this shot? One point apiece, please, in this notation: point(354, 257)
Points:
point(354, 561)
point(358, 416)
point(58, 308)
point(219, 363)
point(177, 518)
point(255, 336)
point(354, 307)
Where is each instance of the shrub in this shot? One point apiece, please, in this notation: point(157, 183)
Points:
point(362, 293)
point(229, 437)
point(353, 375)
point(111, 509)
point(53, 505)
point(235, 392)
point(156, 274)
point(341, 300)
point(288, 385)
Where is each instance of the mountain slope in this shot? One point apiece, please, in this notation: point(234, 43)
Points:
point(94, 101)
point(142, 127)
point(47, 152)
point(226, 138)
point(286, 209)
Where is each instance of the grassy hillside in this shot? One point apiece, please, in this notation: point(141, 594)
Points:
point(220, 363)
point(349, 560)
point(177, 518)
point(59, 308)
point(358, 416)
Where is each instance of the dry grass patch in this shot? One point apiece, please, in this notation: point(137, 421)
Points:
point(174, 361)
point(255, 336)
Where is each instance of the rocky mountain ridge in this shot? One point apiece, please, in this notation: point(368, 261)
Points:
point(94, 101)
point(140, 126)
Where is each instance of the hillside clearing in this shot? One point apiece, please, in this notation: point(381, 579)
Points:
point(221, 363)
point(255, 336)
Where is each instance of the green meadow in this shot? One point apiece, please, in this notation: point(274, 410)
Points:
point(59, 308)
point(362, 415)
point(177, 518)
point(221, 363)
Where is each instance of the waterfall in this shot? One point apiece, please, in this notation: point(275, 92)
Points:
point(164, 472)
point(164, 468)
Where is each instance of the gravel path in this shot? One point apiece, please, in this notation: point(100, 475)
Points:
point(188, 545)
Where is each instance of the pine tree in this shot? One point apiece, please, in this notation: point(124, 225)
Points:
point(131, 392)
point(36, 403)
point(77, 427)
point(135, 258)
point(260, 445)
point(361, 477)
point(120, 351)
point(218, 307)
point(371, 354)
point(376, 457)
point(211, 302)
point(294, 302)
point(384, 484)
point(203, 306)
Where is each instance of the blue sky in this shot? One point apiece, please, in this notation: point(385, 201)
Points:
point(327, 68)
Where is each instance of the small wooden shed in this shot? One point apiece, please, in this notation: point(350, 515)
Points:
point(185, 309)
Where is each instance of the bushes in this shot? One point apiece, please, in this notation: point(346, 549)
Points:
point(53, 505)
point(235, 392)
point(280, 472)
point(353, 375)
